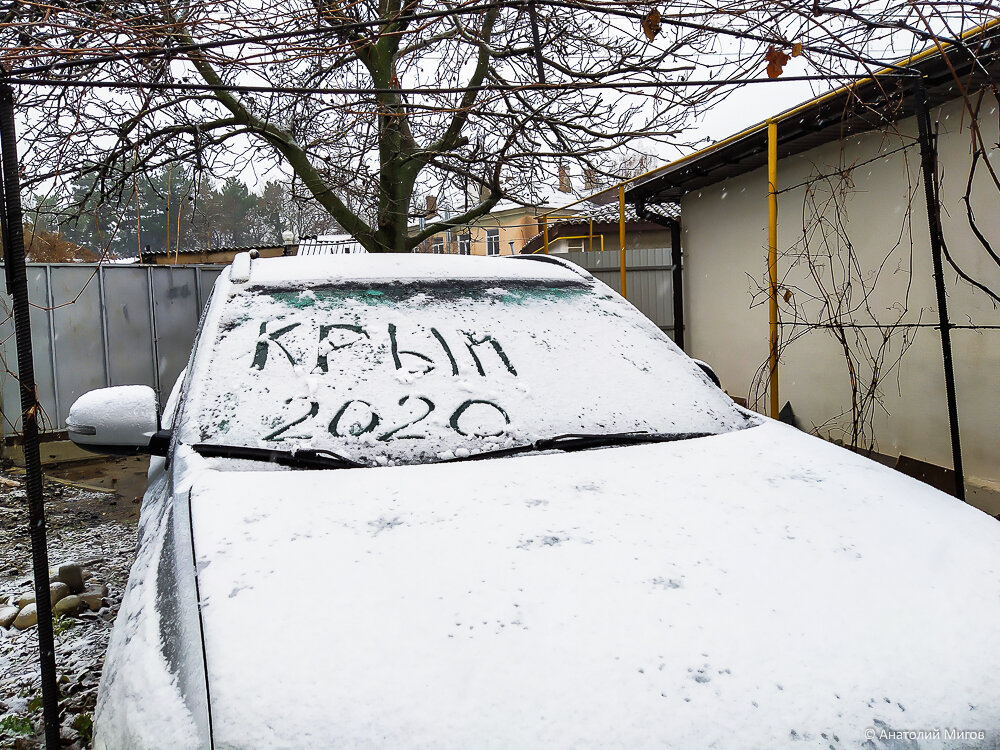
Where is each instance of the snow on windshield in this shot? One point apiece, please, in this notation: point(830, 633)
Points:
point(421, 371)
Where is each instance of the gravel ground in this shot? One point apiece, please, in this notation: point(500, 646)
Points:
point(98, 529)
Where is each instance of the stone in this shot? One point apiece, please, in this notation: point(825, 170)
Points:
point(72, 576)
point(26, 617)
point(57, 591)
point(28, 597)
point(68, 606)
point(7, 615)
point(93, 596)
point(87, 574)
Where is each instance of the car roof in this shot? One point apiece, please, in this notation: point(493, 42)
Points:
point(397, 267)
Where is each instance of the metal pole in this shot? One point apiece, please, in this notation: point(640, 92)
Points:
point(103, 297)
point(621, 239)
point(153, 334)
point(197, 290)
point(17, 286)
point(678, 282)
point(772, 261)
point(170, 171)
point(676, 263)
point(50, 302)
point(928, 163)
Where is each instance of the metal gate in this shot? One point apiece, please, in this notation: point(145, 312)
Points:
point(650, 279)
point(96, 325)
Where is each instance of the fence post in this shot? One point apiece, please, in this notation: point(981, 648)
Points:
point(621, 239)
point(103, 300)
point(152, 335)
point(51, 302)
point(677, 285)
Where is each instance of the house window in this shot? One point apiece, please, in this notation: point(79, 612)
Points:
point(464, 244)
point(492, 241)
point(437, 246)
point(575, 245)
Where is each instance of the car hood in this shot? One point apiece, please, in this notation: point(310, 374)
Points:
point(760, 585)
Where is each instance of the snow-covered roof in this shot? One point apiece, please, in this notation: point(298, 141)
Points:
point(329, 244)
point(830, 116)
point(607, 214)
point(398, 266)
point(221, 249)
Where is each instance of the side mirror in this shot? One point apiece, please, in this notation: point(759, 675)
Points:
point(707, 369)
point(122, 421)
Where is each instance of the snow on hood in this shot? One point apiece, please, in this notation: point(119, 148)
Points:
point(753, 589)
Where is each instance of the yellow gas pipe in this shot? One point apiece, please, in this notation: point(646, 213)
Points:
point(772, 259)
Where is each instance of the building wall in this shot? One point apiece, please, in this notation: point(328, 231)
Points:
point(883, 228)
point(514, 225)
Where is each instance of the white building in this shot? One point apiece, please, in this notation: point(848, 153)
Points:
point(861, 357)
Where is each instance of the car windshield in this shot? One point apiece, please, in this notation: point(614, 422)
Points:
point(411, 372)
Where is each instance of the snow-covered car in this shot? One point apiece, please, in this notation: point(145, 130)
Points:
point(453, 502)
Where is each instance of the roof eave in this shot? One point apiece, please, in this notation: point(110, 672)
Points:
point(859, 107)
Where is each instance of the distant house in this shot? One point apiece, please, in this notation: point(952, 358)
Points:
point(504, 230)
point(333, 244)
point(860, 348)
point(210, 256)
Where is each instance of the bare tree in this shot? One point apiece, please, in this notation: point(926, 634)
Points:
point(375, 101)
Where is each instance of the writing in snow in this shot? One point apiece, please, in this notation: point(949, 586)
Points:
point(275, 343)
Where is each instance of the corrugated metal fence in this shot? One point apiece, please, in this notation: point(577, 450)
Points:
point(649, 279)
point(98, 325)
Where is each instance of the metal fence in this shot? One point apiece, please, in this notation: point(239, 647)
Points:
point(96, 325)
point(649, 279)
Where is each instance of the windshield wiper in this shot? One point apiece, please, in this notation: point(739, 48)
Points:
point(303, 458)
point(582, 441)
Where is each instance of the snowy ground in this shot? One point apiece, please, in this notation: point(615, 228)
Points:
point(88, 527)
